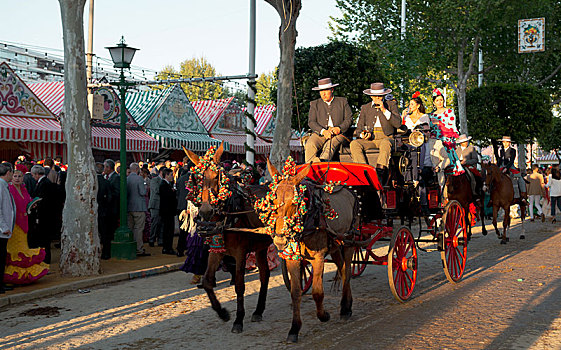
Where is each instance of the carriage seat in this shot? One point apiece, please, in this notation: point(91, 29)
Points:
point(371, 154)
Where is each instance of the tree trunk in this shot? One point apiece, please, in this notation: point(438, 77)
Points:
point(522, 158)
point(288, 12)
point(80, 242)
point(462, 117)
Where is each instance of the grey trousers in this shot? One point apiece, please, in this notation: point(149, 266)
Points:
point(136, 221)
point(318, 143)
point(156, 228)
point(358, 147)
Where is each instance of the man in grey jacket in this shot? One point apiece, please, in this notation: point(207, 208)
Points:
point(156, 229)
point(136, 207)
point(7, 218)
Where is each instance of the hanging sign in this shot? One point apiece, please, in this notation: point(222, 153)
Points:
point(531, 35)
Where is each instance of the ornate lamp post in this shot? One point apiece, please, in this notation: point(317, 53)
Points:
point(123, 246)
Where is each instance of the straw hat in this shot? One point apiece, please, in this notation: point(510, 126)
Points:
point(377, 89)
point(324, 84)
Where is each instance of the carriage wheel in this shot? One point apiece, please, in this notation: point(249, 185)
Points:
point(454, 252)
point(306, 273)
point(358, 264)
point(402, 264)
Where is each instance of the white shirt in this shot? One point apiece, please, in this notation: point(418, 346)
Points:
point(387, 114)
point(329, 121)
point(410, 125)
point(554, 186)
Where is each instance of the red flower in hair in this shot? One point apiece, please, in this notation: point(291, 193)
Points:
point(416, 94)
point(436, 92)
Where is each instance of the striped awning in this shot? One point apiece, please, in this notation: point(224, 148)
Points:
point(109, 139)
point(237, 144)
point(210, 110)
point(141, 105)
point(548, 158)
point(23, 129)
point(262, 115)
point(178, 139)
point(51, 94)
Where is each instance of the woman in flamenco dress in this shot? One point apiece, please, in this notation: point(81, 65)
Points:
point(23, 264)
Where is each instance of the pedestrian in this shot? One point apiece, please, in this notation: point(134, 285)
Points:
point(41, 230)
point(536, 189)
point(24, 265)
point(136, 207)
point(168, 209)
point(196, 251)
point(28, 179)
point(113, 219)
point(104, 202)
point(180, 185)
point(154, 206)
point(7, 218)
point(145, 174)
point(554, 185)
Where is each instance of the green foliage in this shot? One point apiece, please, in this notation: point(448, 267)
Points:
point(194, 68)
point(266, 85)
point(350, 65)
point(550, 138)
point(519, 110)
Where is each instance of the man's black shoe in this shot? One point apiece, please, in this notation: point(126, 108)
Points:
point(168, 252)
point(105, 257)
point(151, 244)
point(7, 288)
point(180, 254)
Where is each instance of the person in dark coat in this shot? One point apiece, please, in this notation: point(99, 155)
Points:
point(41, 228)
point(168, 210)
point(113, 218)
point(182, 205)
point(104, 198)
point(329, 118)
point(28, 179)
point(376, 125)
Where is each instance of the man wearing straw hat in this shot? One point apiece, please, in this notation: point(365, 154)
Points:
point(469, 160)
point(507, 155)
point(329, 118)
point(377, 123)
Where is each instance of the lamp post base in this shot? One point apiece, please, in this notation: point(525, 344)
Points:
point(123, 247)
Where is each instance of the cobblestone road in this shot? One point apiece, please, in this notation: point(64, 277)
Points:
point(510, 298)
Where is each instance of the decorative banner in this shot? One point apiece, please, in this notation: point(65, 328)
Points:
point(531, 35)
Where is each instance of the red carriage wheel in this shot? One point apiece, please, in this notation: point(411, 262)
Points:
point(306, 273)
point(402, 264)
point(358, 264)
point(454, 248)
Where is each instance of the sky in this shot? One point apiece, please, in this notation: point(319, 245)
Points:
point(170, 31)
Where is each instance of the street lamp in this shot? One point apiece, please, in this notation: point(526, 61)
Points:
point(123, 246)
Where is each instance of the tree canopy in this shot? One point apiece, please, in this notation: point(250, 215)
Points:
point(266, 88)
point(195, 68)
point(520, 110)
point(350, 65)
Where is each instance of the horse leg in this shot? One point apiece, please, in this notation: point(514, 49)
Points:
point(317, 288)
point(482, 215)
point(343, 262)
point(506, 224)
point(209, 282)
point(264, 274)
point(495, 213)
point(240, 291)
point(522, 217)
point(293, 267)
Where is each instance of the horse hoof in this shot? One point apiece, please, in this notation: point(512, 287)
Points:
point(292, 338)
point(224, 315)
point(522, 237)
point(326, 317)
point(484, 233)
point(237, 328)
point(256, 318)
point(508, 239)
point(345, 316)
point(503, 241)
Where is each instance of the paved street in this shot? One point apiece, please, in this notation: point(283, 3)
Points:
point(510, 298)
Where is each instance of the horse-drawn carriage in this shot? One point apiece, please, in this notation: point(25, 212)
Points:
point(444, 224)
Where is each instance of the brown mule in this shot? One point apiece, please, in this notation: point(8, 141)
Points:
point(314, 246)
point(502, 196)
point(237, 244)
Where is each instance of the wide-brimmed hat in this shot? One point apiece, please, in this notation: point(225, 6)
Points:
point(505, 138)
point(324, 84)
point(377, 89)
point(463, 138)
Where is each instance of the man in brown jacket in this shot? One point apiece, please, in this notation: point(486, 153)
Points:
point(329, 118)
point(376, 125)
point(536, 189)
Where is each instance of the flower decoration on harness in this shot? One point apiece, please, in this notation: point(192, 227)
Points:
point(195, 183)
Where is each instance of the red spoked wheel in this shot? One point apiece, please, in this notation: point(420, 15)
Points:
point(402, 264)
point(358, 264)
point(454, 247)
point(306, 272)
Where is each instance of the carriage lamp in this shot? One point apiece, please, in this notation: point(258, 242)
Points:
point(416, 138)
point(124, 245)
